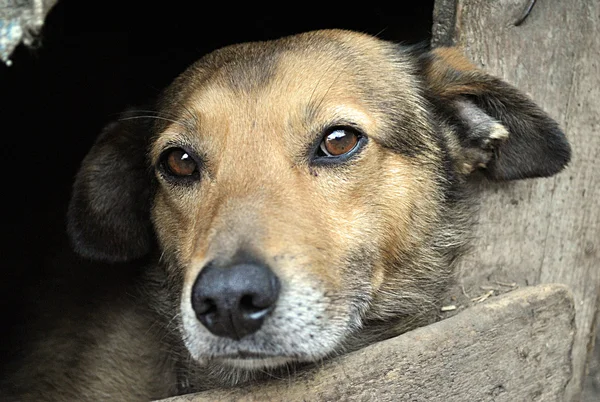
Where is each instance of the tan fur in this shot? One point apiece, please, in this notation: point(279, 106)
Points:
point(364, 250)
point(319, 210)
point(446, 61)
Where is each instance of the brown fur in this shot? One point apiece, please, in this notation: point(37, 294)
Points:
point(364, 249)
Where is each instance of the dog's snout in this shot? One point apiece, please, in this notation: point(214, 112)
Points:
point(234, 301)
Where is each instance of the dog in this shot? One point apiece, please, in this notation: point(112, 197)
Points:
point(289, 201)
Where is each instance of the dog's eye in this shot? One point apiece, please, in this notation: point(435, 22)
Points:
point(178, 162)
point(339, 141)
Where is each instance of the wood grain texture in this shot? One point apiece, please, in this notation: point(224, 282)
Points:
point(546, 230)
point(473, 356)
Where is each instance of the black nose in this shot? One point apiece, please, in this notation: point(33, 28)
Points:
point(234, 301)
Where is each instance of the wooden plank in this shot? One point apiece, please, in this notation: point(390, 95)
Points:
point(591, 389)
point(515, 347)
point(546, 230)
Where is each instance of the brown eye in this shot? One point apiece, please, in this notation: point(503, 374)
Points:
point(178, 162)
point(339, 142)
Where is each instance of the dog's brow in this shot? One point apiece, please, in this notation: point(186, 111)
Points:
point(173, 136)
point(340, 114)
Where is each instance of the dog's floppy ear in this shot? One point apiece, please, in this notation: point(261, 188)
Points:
point(500, 129)
point(109, 214)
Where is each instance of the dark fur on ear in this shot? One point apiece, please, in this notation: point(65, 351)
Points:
point(499, 128)
point(109, 213)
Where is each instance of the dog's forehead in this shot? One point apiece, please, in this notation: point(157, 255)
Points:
point(301, 68)
point(309, 80)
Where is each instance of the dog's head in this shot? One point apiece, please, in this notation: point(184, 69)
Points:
point(305, 193)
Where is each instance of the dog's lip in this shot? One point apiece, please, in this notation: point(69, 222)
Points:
point(247, 355)
point(254, 361)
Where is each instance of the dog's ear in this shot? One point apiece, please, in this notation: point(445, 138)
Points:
point(499, 129)
point(109, 214)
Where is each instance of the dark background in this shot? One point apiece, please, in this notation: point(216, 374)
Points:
point(94, 59)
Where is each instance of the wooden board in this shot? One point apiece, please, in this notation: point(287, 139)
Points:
point(515, 347)
point(546, 230)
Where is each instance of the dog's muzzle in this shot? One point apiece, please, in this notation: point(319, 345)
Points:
point(234, 301)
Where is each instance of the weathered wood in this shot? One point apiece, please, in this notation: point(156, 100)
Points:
point(591, 388)
point(444, 15)
point(547, 230)
point(515, 347)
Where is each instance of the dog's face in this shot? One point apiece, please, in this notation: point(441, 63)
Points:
point(294, 168)
point(306, 193)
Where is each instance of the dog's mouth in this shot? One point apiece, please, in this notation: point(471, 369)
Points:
point(255, 353)
point(252, 360)
point(244, 355)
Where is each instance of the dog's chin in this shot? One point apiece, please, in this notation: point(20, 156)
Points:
point(231, 370)
point(254, 363)
point(242, 365)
